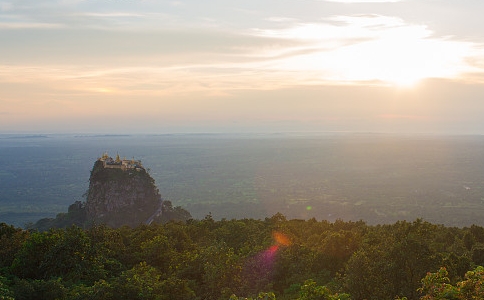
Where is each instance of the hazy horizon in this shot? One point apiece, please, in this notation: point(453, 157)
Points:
point(375, 177)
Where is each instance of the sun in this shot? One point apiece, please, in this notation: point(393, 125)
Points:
point(403, 79)
point(401, 62)
point(374, 49)
point(398, 62)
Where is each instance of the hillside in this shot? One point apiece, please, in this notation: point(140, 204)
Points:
point(273, 258)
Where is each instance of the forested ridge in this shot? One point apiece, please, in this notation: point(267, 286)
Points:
point(274, 258)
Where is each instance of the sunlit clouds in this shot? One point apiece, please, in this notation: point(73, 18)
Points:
point(301, 64)
point(364, 1)
point(372, 47)
point(339, 49)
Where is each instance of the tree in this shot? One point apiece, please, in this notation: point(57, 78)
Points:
point(26, 289)
point(5, 292)
point(221, 272)
point(143, 282)
point(68, 256)
point(473, 285)
point(11, 240)
point(437, 286)
point(311, 291)
point(260, 296)
point(28, 260)
point(368, 274)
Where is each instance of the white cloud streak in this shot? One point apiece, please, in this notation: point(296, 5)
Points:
point(375, 47)
point(364, 1)
point(32, 25)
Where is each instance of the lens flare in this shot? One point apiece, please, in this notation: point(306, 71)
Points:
point(260, 267)
point(272, 250)
point(281, 238)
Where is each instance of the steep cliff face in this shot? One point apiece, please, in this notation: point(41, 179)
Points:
point(121, 192)
point(119, 196)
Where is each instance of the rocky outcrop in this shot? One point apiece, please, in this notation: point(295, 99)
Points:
point(119, 197)
point(121, 192)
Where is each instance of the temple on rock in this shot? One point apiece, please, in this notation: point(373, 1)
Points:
point(123, 164)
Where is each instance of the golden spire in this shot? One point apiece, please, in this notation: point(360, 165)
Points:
point(117, 158)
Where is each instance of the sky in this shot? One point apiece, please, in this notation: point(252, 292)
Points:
point(154, 66)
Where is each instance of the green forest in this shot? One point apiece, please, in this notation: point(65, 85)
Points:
point(271, 258)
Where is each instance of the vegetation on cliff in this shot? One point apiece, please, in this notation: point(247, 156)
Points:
point(228, 259)
point(117, 196)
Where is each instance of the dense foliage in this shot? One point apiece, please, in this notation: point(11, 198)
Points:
point(234, 259)
point(77, 215)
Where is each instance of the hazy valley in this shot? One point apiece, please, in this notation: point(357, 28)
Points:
point(375, 178)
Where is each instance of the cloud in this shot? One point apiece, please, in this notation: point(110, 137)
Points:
point(111, 14)
point(363, 1)
point(127, 15)
point(344, 27)
point(400, 116)
point(281, 19)
point(375, 47)
point(282, 51)
point(6, 6)
point(32, 25)
point(177, 3)
point(358, 49)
